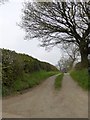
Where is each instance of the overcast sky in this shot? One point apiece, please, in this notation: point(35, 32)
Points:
point(12, 36)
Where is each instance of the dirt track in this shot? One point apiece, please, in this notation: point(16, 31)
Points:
point(46, 102)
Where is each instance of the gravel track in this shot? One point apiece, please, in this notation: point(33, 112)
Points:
point(44, 101)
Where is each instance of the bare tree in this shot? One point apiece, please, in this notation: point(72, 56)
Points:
point(57, 22)
point(72, 51)
point(64, 63)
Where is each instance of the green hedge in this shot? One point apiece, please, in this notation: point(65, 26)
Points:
point(15, 66)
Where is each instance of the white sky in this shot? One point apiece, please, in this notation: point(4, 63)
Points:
point(12, 36)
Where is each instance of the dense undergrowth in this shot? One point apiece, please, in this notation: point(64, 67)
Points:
point(20, 71)
point(82, 77)
point(58, 81)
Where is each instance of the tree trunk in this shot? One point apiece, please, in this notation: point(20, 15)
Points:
point(84, 54)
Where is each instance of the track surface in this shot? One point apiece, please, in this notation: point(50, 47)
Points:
point(44, 101)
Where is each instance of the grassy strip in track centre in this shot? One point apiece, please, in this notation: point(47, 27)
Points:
point(58, 81)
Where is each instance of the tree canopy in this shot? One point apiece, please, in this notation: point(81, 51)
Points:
point(58, 22)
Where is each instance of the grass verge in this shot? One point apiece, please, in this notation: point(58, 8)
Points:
point(82, 77)
point(27, 81)
point(58, 81)
point(0, 80)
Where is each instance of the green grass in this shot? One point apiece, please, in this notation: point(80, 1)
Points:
point(82, 77)
point(58, 81)
point(27, 81)
point(31, 80)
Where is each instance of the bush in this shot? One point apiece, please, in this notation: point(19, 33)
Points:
point(80, 66)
